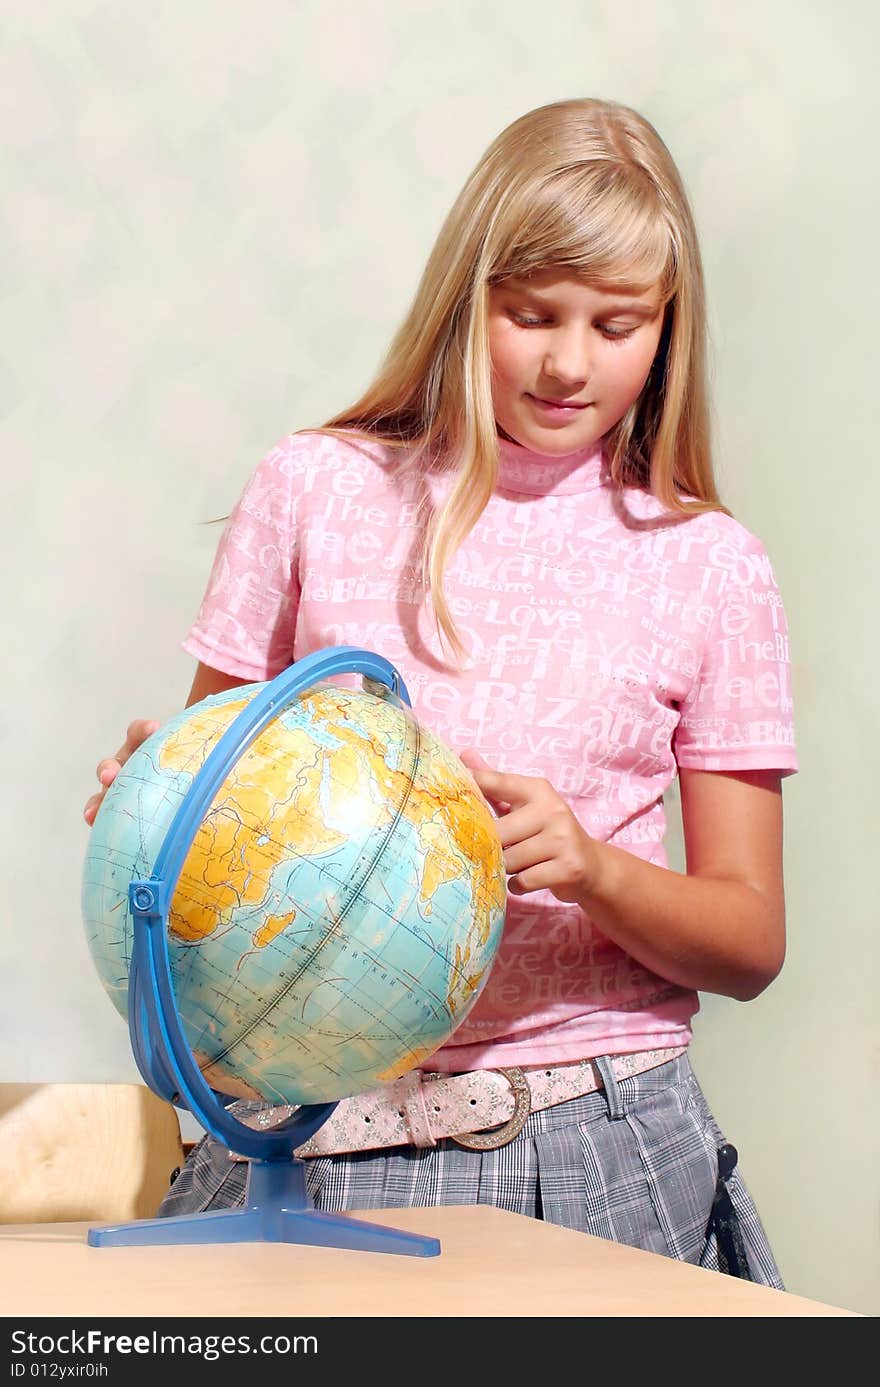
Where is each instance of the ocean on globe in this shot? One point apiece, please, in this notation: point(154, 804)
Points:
point(340, 907)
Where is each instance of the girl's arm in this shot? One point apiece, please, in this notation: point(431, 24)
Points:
point(212, 681)
point(720, 928)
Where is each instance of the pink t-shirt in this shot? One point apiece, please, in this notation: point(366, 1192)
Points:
point(606, 650)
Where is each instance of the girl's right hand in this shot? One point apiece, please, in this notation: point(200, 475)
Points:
point(138, 732)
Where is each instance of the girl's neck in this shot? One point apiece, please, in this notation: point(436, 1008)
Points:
point(521, 469)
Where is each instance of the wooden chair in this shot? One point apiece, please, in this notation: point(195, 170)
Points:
point(85, 1152)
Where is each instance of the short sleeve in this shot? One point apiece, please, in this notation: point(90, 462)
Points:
point(246, 622)
point(738, 715)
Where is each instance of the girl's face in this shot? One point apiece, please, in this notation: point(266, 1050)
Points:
point(568, 360)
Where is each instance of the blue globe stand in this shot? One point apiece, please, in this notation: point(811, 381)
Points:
point(278, 1206)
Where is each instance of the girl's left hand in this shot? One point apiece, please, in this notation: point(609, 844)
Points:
point(544, 846)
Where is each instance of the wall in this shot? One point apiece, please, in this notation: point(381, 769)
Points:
point(214, 217)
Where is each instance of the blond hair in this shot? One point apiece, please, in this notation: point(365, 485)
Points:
point(589, 187)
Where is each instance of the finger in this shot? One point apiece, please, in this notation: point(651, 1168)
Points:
point(108, 770)
point(511, 789)
point(540, 877)
point(520, 826)
point(500, 807)
point(522, 855)
point(474, 761)
point(136, 734)
point(90, 810)
point(485, 782)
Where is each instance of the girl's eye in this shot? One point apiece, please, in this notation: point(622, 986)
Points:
point(611, 334)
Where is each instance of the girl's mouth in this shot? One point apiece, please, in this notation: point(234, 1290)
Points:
point(558, 408)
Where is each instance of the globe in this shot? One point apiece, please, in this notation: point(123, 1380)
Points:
point(341, 903)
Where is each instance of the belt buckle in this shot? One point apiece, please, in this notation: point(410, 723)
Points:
point(500, 1136)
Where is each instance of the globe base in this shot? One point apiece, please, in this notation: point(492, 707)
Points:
point(278, 1209)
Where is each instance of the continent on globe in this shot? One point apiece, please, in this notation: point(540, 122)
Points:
point(341, 904)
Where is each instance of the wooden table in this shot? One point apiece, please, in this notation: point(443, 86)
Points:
point(491, 1263)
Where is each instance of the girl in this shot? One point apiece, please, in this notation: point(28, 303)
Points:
point(520, 514)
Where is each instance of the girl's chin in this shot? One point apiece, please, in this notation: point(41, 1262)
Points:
point(552, 442)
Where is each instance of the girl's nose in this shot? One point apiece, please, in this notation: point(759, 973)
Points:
point(568, 359)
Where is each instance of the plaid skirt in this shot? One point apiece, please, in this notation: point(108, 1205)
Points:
point(635, 1162)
